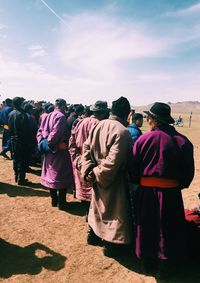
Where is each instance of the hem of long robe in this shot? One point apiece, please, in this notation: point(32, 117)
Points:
point(58, 185)
point(120, 239)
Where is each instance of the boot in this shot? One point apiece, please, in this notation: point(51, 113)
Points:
point(116, 250)
point(166, 269)
point(62, 204)
point(54, 197)
point(92, 238)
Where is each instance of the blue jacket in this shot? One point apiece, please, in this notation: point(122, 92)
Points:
point(4, 115)
point(135, 132)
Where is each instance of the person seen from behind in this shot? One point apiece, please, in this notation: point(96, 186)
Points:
point(104, 163)
point(163, 165)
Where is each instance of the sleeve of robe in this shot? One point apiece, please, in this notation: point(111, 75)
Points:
point(57, 133)
point(115, 162)
point(187, 165)
point(86, 162)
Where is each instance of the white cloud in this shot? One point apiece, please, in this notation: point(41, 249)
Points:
point(2, 26)
point(95, 44)
point(100, 58)
point(194, 9)
point(157, 77)
point(37, 51)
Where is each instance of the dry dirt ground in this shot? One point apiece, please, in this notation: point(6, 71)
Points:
point(39, 243)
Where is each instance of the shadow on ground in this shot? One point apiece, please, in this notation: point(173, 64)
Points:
point(14, 191)
point(23, 260)
point(78, 208)
point(186, 273)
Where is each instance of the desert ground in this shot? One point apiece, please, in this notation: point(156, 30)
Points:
point(39, 243)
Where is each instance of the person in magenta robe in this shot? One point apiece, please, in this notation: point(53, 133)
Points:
point(163, 165)
point(57, 168)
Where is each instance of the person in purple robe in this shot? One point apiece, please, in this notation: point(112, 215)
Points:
point(52, 137)
point(163, 165)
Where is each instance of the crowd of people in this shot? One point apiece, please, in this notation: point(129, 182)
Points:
point(131, 181)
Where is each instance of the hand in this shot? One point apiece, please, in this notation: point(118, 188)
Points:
point(91, 177)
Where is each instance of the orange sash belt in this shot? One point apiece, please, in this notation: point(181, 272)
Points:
point(62, 145)
point(158, 182)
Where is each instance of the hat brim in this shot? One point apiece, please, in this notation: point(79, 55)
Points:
point(98, 109)
point(168, 120)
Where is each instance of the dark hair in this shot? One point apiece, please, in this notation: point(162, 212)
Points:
point(60, 102)
point(79, 108)
point(17, 101)
point(8, 102)
point(137, 116)
point(87, 112)
point(121, 107)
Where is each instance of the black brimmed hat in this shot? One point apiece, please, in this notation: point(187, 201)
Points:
point(61, 102)
point(161, 112)
point(99, 106)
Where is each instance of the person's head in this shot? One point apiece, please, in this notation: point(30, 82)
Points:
point(28, 108)
point(121, 108)
point(79, 109)
point(17, 102)
point(159, 114)
point(87, 112)
point(100, 109)
point(137, 119)
point(61, 104)
point(8, 102)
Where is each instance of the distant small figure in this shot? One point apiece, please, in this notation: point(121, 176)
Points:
point(190, 120)
point(179, 122)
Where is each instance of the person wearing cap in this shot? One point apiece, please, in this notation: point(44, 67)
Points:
point(75, 116)
point(163, 165)
point(134, 128)
point(28, 109)
point(79, 135)
point(104, 163)
point(4, 114)
point(53, 136)
point(20, 140)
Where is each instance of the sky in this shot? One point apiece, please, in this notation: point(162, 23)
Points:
point(87, 50)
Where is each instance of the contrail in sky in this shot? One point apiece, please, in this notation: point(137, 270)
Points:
point(61, 19)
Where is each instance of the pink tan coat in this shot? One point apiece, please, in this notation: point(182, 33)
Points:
point(107, 151)
point(78, 136)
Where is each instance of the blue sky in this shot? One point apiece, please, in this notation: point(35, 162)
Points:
point(85, 50)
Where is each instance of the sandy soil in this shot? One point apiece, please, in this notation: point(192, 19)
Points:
point(39, 243)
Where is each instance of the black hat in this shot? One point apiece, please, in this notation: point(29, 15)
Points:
point(99, 106)
point(17, 101)
point(162, 112)
point(28, 106)
point(121, 107)
point(61, 101)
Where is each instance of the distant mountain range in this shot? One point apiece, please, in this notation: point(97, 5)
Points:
point(178, 107)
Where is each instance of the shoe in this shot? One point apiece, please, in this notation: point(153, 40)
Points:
point(115, 250)
point(166, 270)
point(54, 203)
point(24, 182)
point(5, 156)
point(149, 265)
point(93, 239)
point(16, 178)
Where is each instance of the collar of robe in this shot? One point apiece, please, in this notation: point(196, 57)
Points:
point(116, 118)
